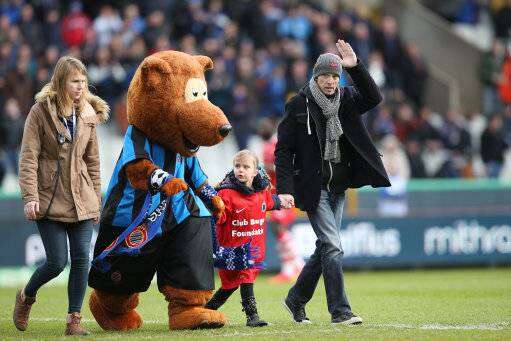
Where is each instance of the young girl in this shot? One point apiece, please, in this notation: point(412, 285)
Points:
point(60, 184)
point(247, 196)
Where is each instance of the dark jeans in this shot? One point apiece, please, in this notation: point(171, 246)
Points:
point(327, 258)
point(54, 235)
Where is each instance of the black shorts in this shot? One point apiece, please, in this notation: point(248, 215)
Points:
point(181, 258)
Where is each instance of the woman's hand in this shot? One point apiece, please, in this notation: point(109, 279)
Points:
point(30, 209)
point(95, 221)
point(348, 56)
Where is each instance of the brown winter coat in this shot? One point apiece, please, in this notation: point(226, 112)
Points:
point(78, 193)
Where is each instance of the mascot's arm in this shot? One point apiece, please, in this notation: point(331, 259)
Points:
point(145, 175)
point(211, 198)
point(199, 182)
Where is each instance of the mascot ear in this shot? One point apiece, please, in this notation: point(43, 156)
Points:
point(154, 70)
point(205, 61)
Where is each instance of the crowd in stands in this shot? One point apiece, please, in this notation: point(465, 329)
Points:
point(263, 53)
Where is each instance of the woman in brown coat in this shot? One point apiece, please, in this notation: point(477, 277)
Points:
point(60, 183)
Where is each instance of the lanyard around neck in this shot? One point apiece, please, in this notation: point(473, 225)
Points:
point(74, 123)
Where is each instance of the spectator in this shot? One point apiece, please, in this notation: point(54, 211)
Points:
point(107, 75)
point(361, 41)
point(424, 127)
point(12, 122)
point(242, 114)
point(156, 27)
point(505, 79)
point(376, 68)
point(51, 28)
point(297, 76)
point(437, 161)
point(393, 200)
point(216, 20)
point(507, 125)
point(468, 12)
point(404, 123)
point(383, 124)
point(295, 24)
point(454, 133)
point(20, 85)
point(75, 25)
point(502, 21)
point(413, 153)
point(30, 28)
point(107, 24)
point(394, 159)
point(493, 147)
point(414, 74)
point(490, 68)
point(389, 44)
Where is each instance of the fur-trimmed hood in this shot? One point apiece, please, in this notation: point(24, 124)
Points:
point(94, 105)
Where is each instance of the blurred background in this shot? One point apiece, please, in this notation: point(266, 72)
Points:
point(444, 127)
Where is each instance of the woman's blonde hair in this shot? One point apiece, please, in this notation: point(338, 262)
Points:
point(56, 87)
point(245, 153)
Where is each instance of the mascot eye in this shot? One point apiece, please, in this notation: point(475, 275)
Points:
point(204, 93)
point(195, 93)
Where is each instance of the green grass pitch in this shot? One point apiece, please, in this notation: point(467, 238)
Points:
point(454, 304)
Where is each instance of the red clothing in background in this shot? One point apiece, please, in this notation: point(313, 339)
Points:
point(74, 28)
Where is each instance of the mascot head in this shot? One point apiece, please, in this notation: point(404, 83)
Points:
point(168, 101)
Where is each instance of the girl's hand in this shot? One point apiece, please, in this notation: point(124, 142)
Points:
point(286, 200)
point(30, 209)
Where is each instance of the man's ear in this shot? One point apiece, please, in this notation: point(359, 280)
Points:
point(205, 61)
point(154, 70)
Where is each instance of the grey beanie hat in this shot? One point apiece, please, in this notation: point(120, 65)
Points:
point(327, 63)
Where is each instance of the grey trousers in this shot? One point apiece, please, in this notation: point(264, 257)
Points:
point(326, 259)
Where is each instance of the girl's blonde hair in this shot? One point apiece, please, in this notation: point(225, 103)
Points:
point(56, 87)
point(245, 153)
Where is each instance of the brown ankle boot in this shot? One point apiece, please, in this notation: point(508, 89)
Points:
point(73, 325)
point(21, 312)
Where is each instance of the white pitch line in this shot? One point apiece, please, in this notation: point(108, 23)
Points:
point(436, 326)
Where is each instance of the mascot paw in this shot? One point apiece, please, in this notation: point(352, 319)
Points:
point(218, 205)
point(195, 318)
point(115, 312)
point(174, 186)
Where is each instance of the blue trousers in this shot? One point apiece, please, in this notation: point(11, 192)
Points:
point(54, 235)
point(326, 259)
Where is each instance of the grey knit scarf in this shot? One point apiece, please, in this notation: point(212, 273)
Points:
point(329, 108)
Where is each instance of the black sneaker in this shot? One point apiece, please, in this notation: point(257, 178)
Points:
point(255, 321)
point(347, 319)
point(297, 311)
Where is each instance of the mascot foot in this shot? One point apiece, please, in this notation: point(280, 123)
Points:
point(115, 312)
point(186, 309)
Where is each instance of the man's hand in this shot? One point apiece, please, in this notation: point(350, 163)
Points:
point(286, 200)
point(348, 56)
point(30, 209)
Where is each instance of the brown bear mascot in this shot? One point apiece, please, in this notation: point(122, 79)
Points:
point(155, 217)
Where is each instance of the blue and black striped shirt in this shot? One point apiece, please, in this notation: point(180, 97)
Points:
point(123, 202)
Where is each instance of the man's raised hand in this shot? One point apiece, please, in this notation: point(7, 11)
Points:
point(348, 56)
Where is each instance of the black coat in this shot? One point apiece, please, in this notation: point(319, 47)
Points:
point(298, 154)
